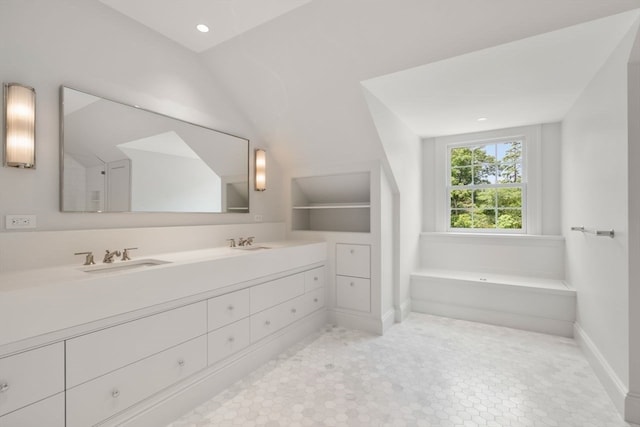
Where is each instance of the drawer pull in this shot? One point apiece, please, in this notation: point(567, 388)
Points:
point(293, 310)
point(315, 278)
point(4, 387)
point(115, 393)
point(352, 251)
point(181, 362)
point(315, 300)
point(230, 308)
point(352, 284)
point(267, 323)
point(231, 339)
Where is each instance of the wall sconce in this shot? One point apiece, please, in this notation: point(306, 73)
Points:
point(261, 169)
point(19, 126)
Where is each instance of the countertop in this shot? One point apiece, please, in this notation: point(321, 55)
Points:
point(40, 306)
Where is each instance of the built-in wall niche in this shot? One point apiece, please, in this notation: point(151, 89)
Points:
point(339, 202)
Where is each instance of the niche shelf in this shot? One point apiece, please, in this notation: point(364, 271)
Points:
point(332, 203)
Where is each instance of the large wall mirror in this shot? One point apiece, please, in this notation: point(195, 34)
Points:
point(119, 158)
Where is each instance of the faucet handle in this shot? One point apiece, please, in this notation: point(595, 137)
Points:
point(249, 240)
point(125, 253)
point(241, 241)
point(232, 243)
point(88, 259)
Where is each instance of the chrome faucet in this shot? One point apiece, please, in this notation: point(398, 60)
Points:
point(89, 257)
point(245, 242)
point(108, 256)
point(125, 253)
point(232, 243)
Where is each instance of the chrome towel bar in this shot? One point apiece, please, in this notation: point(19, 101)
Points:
point(609, 233)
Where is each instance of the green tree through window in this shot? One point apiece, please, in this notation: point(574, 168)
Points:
point(486, 186)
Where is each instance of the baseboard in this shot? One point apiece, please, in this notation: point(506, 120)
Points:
point(171, 404)
point(388, 320)
point(614, 387)
point(632, 408)
point(494, 317)
point(405, 309)
point(362, 322)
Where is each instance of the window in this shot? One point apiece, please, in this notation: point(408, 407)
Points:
point(486, 186)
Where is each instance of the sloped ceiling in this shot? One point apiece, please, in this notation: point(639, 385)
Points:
point(298, 77)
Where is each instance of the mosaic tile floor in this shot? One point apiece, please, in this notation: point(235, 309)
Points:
point(427, 371)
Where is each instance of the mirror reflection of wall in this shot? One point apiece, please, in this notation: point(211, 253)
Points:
point(118, 158)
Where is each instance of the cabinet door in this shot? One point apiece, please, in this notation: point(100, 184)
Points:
point(275, 292)
point(48, 412)
point(313, 279)
point(353, 293)
point(229, 308)
point(353, 260)
point(97, 353)
point(31, 376)
point(230, 339)
point(103, 397)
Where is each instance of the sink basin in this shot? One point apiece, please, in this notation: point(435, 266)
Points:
point(251, 248)
point(123, 266)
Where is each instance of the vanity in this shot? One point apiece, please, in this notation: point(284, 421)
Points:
point(141, 345)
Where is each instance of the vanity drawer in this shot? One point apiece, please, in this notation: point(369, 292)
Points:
point(265, 323)
point(232, 338)
point(314, 300)
point(314, 279)
point(31, 376)
point(98, 353)
point(48, 412)
point(228, 308)
point(103, 397)
point(353, 293)
point(293, 310)
point(275, 292)
point(353, 260)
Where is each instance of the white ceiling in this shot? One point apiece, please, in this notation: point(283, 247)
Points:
point(226, 19)
point(533, 80)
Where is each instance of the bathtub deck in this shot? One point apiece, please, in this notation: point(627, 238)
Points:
point(522, 302)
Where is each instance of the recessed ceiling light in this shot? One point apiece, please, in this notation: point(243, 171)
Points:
point(482, 119)
point(202, 28)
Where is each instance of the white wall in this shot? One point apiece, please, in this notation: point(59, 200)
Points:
point(632, 407)
point(403, 154)
point(594, 194)
point(84, 44)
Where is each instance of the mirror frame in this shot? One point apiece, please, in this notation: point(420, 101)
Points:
point(61, 160)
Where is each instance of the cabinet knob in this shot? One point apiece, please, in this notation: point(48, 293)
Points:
point(230, 308)
point(181, 363)
point(315, 300)
point(231, 339)
point(315, 278)
point(268, 322)
point(293, 310)
point(352, 284)
point(352, 251)
point(4, 387)
point(115, 393)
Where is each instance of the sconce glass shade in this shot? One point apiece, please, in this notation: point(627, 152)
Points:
point(261, 170)
point(20, 126)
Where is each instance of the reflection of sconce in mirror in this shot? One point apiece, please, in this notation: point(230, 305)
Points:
point(19, 126)
point(261, 170)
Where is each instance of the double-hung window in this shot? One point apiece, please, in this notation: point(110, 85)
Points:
point(487, 186)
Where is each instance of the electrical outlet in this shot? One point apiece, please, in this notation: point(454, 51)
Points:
point(20, 221)
point(257, 218)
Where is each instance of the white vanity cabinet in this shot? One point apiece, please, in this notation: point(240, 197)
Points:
point(30, 377)
point(125, 370)
point(353, 277)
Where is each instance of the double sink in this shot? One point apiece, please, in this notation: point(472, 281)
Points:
point(147, 262)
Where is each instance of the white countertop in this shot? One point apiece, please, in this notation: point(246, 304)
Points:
point(44, 305)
